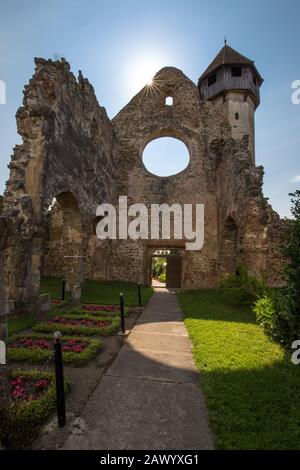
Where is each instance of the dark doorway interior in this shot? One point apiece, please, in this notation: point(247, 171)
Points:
point(173, 275)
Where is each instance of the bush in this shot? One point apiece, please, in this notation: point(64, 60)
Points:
point(242, 287)
point(162, 277)
point(274, 313)
point(279, 312)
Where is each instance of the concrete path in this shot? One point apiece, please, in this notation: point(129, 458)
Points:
point(149, 397)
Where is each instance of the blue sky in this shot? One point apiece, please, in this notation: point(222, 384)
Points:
point(113, 41)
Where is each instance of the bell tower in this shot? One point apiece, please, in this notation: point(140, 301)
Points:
point(233, 79)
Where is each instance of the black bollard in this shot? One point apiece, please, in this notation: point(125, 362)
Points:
point(59, 377)
point(63, 293)
point(139, 295)
point(122, 312)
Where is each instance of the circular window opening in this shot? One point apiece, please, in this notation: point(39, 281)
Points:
point(166, 156)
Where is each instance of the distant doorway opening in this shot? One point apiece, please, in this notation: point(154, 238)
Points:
point(166, 269)
point(159, 268)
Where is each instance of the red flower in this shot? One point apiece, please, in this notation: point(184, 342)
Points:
point(41, 383)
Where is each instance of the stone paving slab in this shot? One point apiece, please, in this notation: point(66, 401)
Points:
point(164, 328)
point(174, 343)
point(155, 365)
point(127, 413)
point(149, 397)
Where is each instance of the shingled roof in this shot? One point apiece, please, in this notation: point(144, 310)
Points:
point(229, 56)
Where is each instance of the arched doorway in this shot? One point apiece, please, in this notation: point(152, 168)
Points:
point(64, 253)
point(229, 243)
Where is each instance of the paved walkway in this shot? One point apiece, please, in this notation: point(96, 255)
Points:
point(149, 397)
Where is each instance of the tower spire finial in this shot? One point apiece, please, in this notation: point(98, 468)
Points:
point(225, 40)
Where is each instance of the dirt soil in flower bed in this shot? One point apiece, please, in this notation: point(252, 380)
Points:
point(83, 381)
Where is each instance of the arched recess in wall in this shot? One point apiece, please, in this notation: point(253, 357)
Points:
point(229, 252)
point(64, 246)
point(165, 156)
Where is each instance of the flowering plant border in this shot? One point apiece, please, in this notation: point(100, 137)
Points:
point(81, 309)
point(50, 326)
point(39, 355)
point(20, 420)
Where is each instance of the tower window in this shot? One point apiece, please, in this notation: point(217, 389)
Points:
point(169, 101)
point(212, 79)
point(237, 116)
point(236, 71)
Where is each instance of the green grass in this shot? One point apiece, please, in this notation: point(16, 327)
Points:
point(17, 323)
point(102, 292)
point(251, 387)
point(52, 286)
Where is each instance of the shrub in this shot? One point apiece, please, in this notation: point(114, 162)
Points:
point(279, 312)
point(162, 277)
point(274, 313)
point(242, 287)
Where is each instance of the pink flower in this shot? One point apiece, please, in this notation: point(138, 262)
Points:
point(41, 383)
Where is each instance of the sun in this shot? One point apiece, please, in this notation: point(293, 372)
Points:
point(145, 71)
point(142, 69)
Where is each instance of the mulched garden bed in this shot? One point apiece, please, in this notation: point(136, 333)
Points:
point(89, 325)
point(35, 347)
point(26, 400)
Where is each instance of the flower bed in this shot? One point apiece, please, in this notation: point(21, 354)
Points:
point(89, 325)
point(58, 302)
point(101, 310)
point(37, 348)
point(26, 399)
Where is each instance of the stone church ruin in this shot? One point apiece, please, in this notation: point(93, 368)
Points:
point(73, 158)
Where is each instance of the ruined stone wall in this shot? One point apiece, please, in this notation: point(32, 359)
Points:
point(67, 147)
point(221, 175)
point(198, 125)
point(71, 151)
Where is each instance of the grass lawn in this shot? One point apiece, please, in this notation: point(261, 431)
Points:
point(101, 292)
point(18, 323)
point(252, 389)
point(104, 292)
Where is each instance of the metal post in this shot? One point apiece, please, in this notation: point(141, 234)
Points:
point(63, 294)
point(59, 376)
point(122, 312)
point(139, 295)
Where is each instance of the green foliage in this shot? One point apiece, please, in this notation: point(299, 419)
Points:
point(159, 267)
point(242, 288)
point(250, 386)
point(162, 277)
point(41, 355)
point(51, 327)
point(19, 420)
point(279, 311)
